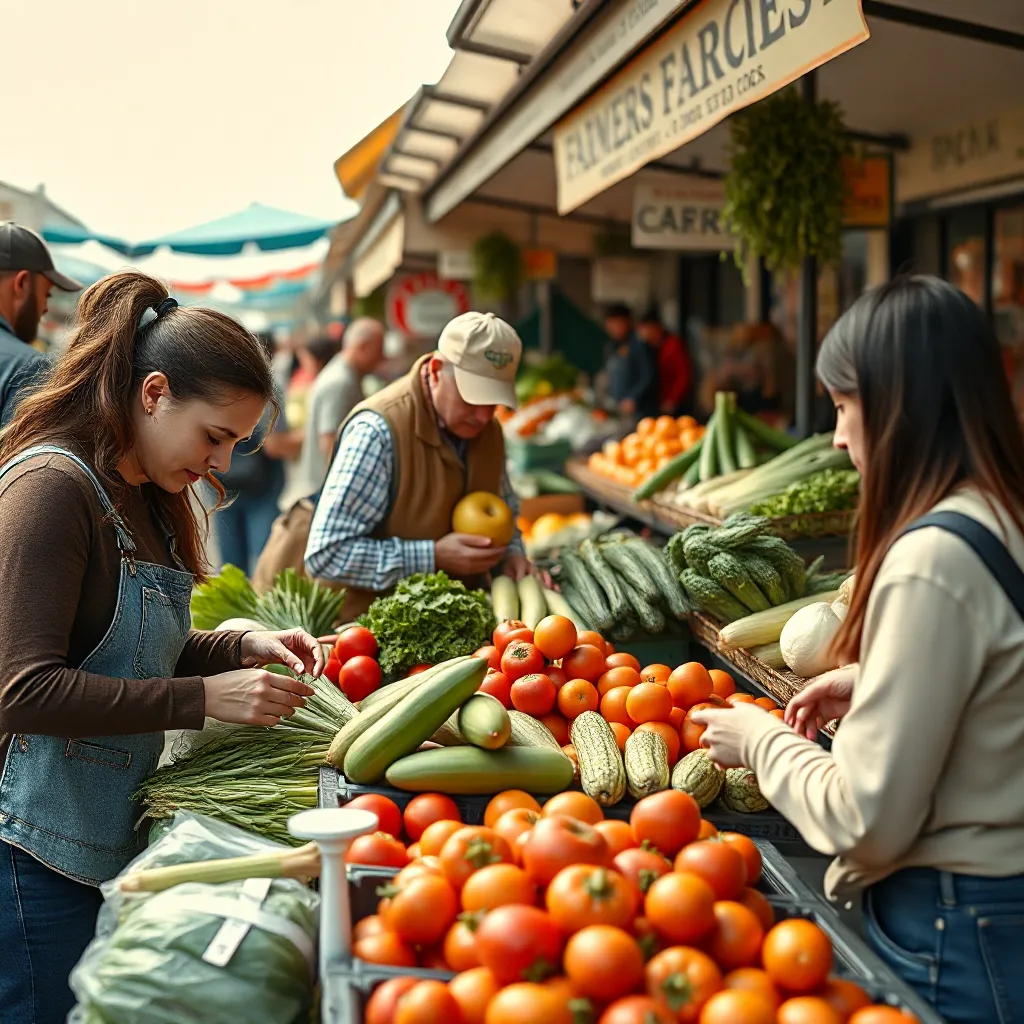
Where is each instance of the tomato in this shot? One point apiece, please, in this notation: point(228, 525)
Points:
point(584, 662)
point(747, 849)
point(845, 997)
point(753, 979)
point(557, 726)
point(524, 1002)
point(380, 1008)
point(420, 910)
point(389, 814)
point(656, 674)
point(574, 804)
point(377, 848)
point(719, 864)
point(576, 697)
point(613, 706)
point(738, 1006)
point(473, 990)
point(723, 684)
point(386, 949)
point(668, 734)
point(368, 926)
point(642, 867)
point(523, 659)
point(683, 980)
point(668, 820)
point(515, 823)
point(807, 1010)
point(355, 642)
point(413, 852)
point(436, 835)
point(460, 948)
point(421, 866)
point(622, 660)
point(558, 842)
point(499, 638)
point(736, 941)
point(881, 1015)
point(425, 809)
point(518, 636)
point(614, 677)
point(618, 835)
point(681, 907)
point(432, 958)
point(707, 830)
point(470, 849)
point(588, 638)
point(509, 800)
point(636, 1010)
point(603, 962)
point(417, 669)
point(360, 676)
point(532, 693)
point(649, 702)
point(498, 885)
point(489, 653)
point(556, 675)
point(758, 903)
point(555, 636)
point(333, 670)
point(690, 684)
point(797, 955)
point(621, 734)
point(498, 685)
point(426, 1003)
point(518, 942)
point(585, 894)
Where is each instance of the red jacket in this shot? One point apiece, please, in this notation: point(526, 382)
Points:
point(675, 372)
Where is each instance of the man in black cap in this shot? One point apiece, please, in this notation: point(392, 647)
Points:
point(27, 275)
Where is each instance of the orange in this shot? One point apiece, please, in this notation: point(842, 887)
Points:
point(573, 804)
point(690, 684)
point(656, 674)
point(621, 733)
point(613, 706)
point(509, 800)
point(739, 698)
point(646, 427)
point(724, 684)
point(669, 734)
point(665, 427)
point(649, 702)
point(767, 703)
point(613, 677)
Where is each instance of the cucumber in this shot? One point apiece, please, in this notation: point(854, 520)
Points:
point(532, 606)
point(469, 770)
point(745, 454)
point(484, 722)
point(413, 721)
point(383, 693)
point(672, 471)
point(708, 450)
point(504, 599)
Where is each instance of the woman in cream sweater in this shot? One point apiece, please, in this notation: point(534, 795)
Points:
point(921, 799)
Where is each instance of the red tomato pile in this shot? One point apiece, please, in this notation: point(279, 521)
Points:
point(352, 666)
point(554, 915)
point(402, 836)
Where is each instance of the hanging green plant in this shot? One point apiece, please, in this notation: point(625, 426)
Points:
point(785, 190)
point(497, 267)
point(614, 240)
point(371, 305)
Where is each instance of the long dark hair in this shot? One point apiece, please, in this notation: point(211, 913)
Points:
point(926, 366)
point(87, 397)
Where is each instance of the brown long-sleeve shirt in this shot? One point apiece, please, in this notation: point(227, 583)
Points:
point(59, 572)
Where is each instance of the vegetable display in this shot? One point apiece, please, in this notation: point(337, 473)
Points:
point(652, 456)
point(831, 490)
point(428, 619)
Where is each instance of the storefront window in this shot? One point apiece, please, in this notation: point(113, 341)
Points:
point(965, 252)
point(1008, 294)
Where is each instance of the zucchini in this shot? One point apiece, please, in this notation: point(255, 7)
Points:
point(532, 606)
point(708, 451)
point(647, 613)
point(469, 771)
point(504, 599)
point(484, 722)
point(602, 773)
point(621, 559)
point(413, 721)
point(606, 579)
point(723, 435)
point(383, 693)
point(558, 604)
point(653, 561)
point(591, 595)
point(679, 465)
point(550, 482)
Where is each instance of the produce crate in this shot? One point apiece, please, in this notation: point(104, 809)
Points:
point(526, 455)
point(335, 790)
point(811, 526)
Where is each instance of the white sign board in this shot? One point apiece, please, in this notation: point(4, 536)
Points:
point(686, 216)
point(455, 265)
point(621, 279)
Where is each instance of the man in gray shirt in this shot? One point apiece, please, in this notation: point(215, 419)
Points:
point(337, 390)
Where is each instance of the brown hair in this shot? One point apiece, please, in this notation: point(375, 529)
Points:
point(926, 366)
point(87, 397)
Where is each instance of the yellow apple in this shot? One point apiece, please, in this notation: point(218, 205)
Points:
point(484, 515)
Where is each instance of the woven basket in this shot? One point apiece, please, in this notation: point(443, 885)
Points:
point(808, 527)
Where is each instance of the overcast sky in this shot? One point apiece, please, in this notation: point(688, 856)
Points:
point(143, 116)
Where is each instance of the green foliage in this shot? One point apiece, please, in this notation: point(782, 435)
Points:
point(371, 305)
point(785, 190)
point(497, 267)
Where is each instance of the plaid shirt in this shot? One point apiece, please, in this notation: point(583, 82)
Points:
point(356, 499)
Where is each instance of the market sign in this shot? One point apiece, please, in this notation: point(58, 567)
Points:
point(420, 305)
point(868, 192)
point(540, 264)
point(685, 216)
point(721, 57)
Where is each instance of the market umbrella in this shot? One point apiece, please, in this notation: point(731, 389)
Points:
point(71, 234)
point(265, 227)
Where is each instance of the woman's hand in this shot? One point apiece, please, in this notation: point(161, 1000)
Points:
point(823, 699)
point(253, 696)
point(293, 648)
point(727, 730)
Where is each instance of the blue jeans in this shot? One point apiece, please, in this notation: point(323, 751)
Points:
point(958, 940)
point(46, 921)
point(243, 529)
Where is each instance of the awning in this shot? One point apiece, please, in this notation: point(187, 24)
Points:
point(377, 261)
point(358, 167)
point(69, 234)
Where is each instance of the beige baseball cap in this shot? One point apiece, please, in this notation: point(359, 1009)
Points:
point(485, 352)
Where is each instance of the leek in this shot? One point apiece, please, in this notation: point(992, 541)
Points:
point(765, 627)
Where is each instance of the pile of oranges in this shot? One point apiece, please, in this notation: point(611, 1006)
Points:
point(656, 442)
point(554, 915)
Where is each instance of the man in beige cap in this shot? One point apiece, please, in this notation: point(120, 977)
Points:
point(404, 459)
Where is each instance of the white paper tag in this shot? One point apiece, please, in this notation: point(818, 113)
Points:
point(229, 936)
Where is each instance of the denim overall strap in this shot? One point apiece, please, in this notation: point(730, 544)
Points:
point(71, 802)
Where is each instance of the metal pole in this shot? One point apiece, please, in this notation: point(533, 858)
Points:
point(807, 320)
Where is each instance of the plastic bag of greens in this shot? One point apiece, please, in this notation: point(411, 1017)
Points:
point(205, 952)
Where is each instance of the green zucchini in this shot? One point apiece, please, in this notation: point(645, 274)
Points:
point(469, 771)
point(679, 465)
point(484, 722)
point(746, 457)
point(409, 683)
point(413, 721)
point(592, 596)
point(606, 579)
point(723, 435)
point(655, 564)
point(619, 555)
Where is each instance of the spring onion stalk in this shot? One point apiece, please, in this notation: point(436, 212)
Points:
point(297, 601)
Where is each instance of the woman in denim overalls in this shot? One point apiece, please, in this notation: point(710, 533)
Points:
point(153, 396)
